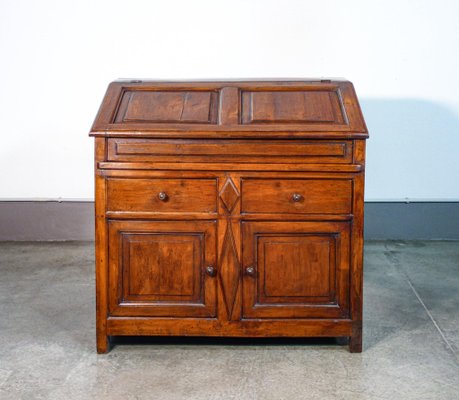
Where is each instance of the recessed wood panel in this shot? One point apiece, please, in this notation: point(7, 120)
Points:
point(199, 107)
point(295, 266)
point(291, 107)
point(301, 269)
point(162, 266)
point(157, 268)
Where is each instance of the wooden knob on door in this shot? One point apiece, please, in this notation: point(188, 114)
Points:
point(162, 196)
point(211, 271)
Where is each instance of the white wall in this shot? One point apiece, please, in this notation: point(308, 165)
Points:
point(58, 56)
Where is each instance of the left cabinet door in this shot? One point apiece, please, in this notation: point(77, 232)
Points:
point(162, 268)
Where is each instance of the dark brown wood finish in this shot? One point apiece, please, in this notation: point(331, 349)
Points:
point(236, 151)
point(162, 269)
point(297, 270)
point(231, 208)
point(295, 196)
point(332, 109)
point(162, 195)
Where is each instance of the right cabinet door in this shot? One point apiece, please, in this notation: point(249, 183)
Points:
point(296, 269)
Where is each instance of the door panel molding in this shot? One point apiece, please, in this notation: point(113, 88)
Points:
point(158, 268)
point(301, 270)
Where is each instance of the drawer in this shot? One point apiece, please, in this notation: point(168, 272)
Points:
point(162, 195)
point(303, 196)
point(246, 151)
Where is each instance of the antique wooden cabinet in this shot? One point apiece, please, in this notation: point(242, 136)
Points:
point(231, 208)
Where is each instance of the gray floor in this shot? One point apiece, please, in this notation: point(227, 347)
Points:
point(411, 337)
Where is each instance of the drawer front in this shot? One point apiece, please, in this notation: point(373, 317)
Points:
point(162, 195)
point(247, 151)
point(302, 196)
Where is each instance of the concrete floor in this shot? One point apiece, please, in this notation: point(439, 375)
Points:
point(411, 337)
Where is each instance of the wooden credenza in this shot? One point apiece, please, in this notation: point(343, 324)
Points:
point(229, 209)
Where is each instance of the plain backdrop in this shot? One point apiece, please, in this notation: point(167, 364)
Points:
point(57, 58)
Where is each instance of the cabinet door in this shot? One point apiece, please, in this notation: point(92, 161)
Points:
point(162, 269)
point(296, 269)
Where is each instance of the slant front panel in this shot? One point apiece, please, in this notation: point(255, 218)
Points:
point(231, 108)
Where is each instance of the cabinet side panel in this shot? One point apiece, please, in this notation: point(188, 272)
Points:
point(357, 250)
point(101, 250)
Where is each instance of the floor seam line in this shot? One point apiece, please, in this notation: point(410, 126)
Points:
point(398, 267)
point(440, 331)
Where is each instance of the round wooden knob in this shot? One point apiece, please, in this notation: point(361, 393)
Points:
point(211, 271)
point(296, 197)
point(250, 271)
point(162, 196)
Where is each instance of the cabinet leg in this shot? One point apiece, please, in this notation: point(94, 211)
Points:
point(103, 344)
point(355, 342)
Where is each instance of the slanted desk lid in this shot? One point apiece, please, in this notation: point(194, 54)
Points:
point(230, 109)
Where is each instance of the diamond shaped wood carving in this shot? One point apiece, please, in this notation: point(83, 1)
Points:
point(229, 270)
point(229, 195)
